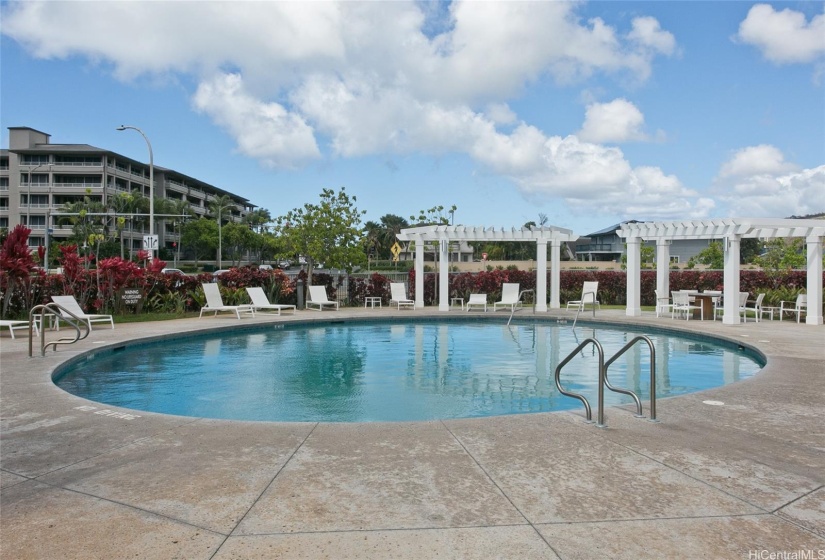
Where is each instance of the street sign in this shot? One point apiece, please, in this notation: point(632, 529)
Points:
point(150, 242)
point(395, 250)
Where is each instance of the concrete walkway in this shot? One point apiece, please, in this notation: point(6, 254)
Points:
point(739, 480)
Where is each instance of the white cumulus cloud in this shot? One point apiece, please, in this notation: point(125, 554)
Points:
point(760, 183)
point(613, 122)
point(290, 80)
point(265, 131)
point(784, 36)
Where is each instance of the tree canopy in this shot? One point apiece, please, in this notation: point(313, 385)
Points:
point(328, 232)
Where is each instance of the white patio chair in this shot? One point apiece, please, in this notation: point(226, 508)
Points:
point(663, 304)
point(477, 300)
point(798, 307)
point(261, 303)
point(398, 296)
point(743, 301)
point(681, 304)
point(69, 303)
point(509, 297)
point(214, 302)
point(589, 290)
point(756, 308)
point(318, 297)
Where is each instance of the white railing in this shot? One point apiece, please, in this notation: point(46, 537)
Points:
point(76, 164)
point(78, 185)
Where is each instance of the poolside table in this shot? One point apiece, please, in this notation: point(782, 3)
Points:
point(706, 301)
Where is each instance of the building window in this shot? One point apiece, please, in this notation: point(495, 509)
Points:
point(34, 160)
point(674, 259)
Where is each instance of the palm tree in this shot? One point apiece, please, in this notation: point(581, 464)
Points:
point(391, 225)
point(258, 218)
point(217, 208)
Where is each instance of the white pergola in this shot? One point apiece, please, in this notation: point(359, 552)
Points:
point(555, 236)
point(732, 230)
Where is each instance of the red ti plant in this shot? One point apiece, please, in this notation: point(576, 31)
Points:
point(76, 279)
point(16, 265)
point(115, 274)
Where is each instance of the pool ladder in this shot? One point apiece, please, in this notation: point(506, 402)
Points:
point(605, 382)
point(513, 310)
point(58, 313)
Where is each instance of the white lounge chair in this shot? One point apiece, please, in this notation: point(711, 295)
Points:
point(477, 300)
point(318, 296)
point(799, 307)
point(69, 303)
point(399, 296)
point(509, 297)
point(214, 302)
point(13, 324)
point(589, 290)
point(681, 304)
point(261, 303)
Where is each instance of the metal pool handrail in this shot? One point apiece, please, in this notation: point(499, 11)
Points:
point(521, 293)
point(59, 313)
point(604, 382)
point(582, 398)
point(652, 376)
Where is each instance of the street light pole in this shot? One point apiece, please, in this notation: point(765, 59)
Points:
point(151, 185)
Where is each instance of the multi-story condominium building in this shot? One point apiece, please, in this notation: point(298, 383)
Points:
point(606, 245)
point(38, 179)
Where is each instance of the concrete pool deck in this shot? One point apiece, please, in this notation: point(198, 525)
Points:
point(743, 479)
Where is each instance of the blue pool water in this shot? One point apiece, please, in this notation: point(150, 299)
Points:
point(361, 372)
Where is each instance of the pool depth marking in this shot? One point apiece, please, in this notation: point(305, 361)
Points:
point(108, 412)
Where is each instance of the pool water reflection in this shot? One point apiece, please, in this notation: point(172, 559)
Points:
point(361, 372)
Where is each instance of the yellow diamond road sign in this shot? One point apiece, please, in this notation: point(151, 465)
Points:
point(395, 250)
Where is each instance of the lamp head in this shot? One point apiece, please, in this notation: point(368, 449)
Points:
point(121, 127)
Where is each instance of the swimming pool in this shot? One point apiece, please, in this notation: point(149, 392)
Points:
point(392, 371)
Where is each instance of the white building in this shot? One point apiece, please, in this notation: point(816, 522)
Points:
point(37, 178)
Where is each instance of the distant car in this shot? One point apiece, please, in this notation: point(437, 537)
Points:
point(172, 271)
point(284, 264)
point(265, 267)
point(219, 272)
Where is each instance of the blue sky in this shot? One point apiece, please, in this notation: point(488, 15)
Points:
point(587, 112)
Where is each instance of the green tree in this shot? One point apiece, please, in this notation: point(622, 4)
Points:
point(201, 236)
point(237, 240)
point(124, 205)
point(328, 232)
point(85, 224)
point(780, 255)
point(258, 219)
point(713, 257)
point(437, 215)
point(391, 226)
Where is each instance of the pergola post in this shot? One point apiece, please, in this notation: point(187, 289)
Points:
point(555, 273)
point(444, 234)
point(663, 268)
point(541, 275)
point(730, 296)
point(814, 314)
point(443, 276)
point(419, 274)
point(634, 277)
